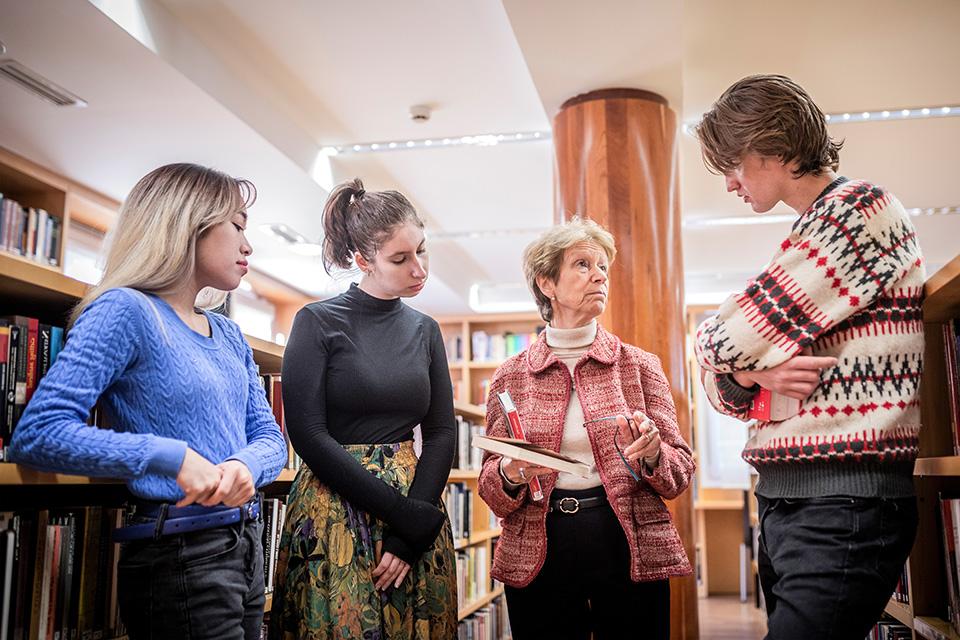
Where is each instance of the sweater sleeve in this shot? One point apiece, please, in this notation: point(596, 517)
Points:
point(439, 438)
point(266, 450)
point(53, 434)
point(672, 474)
point(726, 395)
point(840, 258)
point(304, 397)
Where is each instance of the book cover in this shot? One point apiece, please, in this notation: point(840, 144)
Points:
point(770, 406)
point(523, 450)
point(5, 430)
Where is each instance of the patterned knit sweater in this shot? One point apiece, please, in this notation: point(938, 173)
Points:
point(165, 387)
point(848, 283)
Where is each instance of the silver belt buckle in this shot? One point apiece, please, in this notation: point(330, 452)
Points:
point(563, 508)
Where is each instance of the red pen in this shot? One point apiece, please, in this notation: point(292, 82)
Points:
point(516, 431)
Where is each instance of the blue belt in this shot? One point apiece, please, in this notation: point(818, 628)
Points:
point(171, 520)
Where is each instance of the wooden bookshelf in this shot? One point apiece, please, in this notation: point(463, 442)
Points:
point(937, 469)
point(468, 376)
point(15, 474)
point(479, 603)
point(900, 611)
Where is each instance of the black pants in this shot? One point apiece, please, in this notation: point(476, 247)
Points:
point(585, 584)
point(200, 585)
point(828, 565)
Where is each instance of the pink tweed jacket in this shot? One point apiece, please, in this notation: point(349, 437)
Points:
point(611, 378)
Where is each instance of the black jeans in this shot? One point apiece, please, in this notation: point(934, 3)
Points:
point(585, 584)
point(828, 565)
point(200, 585)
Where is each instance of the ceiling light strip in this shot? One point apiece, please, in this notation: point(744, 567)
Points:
point(735, 221)
point(894, 114)
point(479, 140)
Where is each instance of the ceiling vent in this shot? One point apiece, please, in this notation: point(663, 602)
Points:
point(38, 85)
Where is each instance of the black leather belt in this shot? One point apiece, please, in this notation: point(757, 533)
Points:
point(570, 506)
point(171, 520)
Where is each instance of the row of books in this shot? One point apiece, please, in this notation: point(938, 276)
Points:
point(30, 232)
point(273, 388)
point(274, 515)
point(902, 591)
point(466, 456)
point(458, 499)
point(488, 623)
point(473, 574)
point(58, 574)
point(889, 629)
point(497, 347)
point(28, 349)
point(951, 348)
point(950, 534)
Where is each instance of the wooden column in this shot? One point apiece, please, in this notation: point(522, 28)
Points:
point(617, 164)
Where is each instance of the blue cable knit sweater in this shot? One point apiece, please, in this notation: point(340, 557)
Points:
point(165, 387)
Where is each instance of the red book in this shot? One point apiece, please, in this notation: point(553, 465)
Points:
point(33, 340)
point(516, 431)
point(769, 406)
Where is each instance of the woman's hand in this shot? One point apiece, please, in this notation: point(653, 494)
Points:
point(236, 485)
point(797, 378)
point(643, 436)
point(390, 570)
point(520, 472)
point(198, 478)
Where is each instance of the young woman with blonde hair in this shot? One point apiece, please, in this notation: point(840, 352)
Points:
point(193, 435)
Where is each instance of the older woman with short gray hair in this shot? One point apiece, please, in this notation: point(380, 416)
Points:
point(599, 549)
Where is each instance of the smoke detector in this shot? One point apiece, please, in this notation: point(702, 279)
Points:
point(419, 113)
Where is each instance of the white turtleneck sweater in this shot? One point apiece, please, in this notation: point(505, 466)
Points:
point(569, 345)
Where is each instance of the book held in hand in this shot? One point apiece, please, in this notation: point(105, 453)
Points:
point(523, 450)
point(770, 406)
point(512, 417)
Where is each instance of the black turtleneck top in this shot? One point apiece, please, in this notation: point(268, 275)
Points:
point(362, 370)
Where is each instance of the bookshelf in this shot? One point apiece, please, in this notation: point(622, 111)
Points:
point(470, 373)
point(937, 469)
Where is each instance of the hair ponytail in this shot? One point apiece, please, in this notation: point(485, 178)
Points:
point(355, 220)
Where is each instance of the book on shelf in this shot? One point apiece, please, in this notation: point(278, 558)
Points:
point(489, 622)
point(458, 500)
point(30, 232)
point(274, 516)
point(58, 578)
point(466, 456)
point(28, 349)
point(473, 575)
point(950, 538)
point(770, 406)
point(486, 347)
point(528, 452)
point(890, 629)
point(273, 389)
point(951, 348)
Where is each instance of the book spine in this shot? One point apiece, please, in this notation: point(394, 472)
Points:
point(516, 430)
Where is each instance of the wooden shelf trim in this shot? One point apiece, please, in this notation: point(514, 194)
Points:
point(15, 474)
point(472, 411)
point(476, 538)
point(730, 505)
point(934, 628)
point(941, 466)
point(459, 475)
point(943, 293)
point(900, 611)
point(479, 603)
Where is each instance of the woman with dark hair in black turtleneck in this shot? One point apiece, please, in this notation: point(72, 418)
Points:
point(367, 550)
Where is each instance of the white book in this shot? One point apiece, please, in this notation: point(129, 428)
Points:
point(523, 450)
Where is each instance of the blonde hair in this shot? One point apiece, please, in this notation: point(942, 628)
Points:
point(153, 246)
point(544, 256)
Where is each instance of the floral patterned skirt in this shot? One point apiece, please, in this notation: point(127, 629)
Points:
point(328, 550)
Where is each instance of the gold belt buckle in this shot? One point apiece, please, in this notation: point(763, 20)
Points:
point(573, 509)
